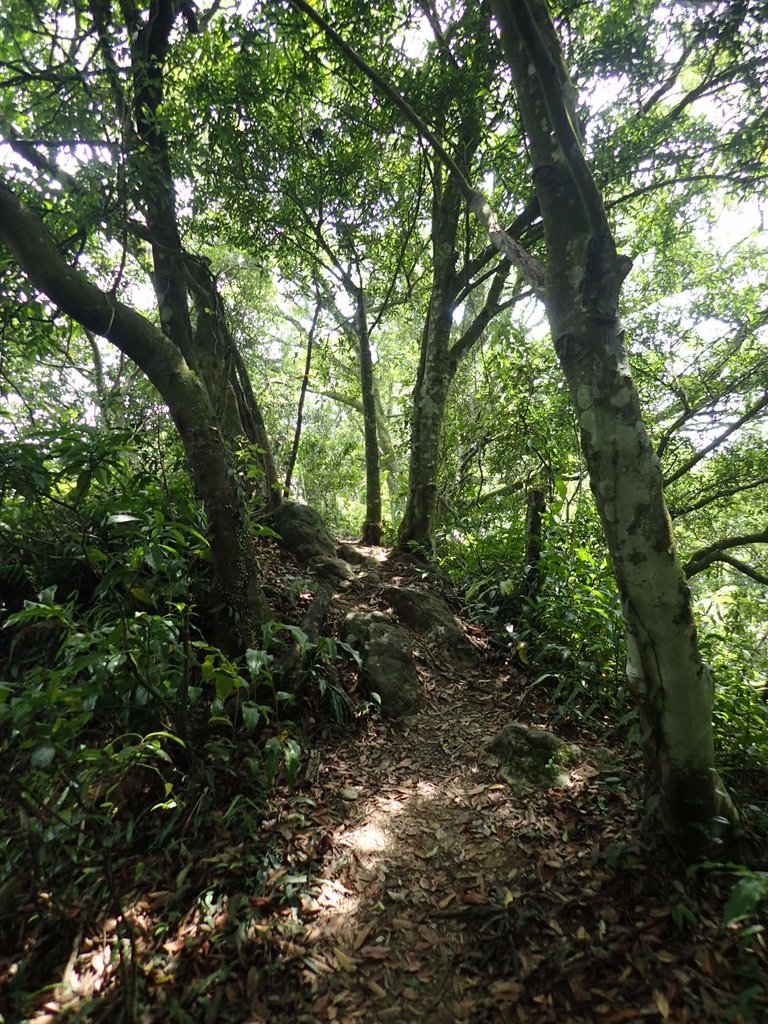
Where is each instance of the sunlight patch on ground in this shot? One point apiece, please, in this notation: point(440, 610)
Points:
point(368, 839)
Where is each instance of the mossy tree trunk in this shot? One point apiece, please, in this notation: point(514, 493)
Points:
point(583, 283)
point(439, 356)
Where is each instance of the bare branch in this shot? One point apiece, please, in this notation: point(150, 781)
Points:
point(709, 499)
point(703, 558)
point(694, 460)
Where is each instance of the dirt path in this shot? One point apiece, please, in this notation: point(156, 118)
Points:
point(406, 926)
point(437, 894)
point(402, 880)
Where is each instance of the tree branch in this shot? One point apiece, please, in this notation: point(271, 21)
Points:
point(709, 499)
point(38, 255)
point(742, 567)
point(750, 414)
point(703, 558)
point(527, 264)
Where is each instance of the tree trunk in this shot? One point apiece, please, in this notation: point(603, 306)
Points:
point(240, 603)
point(583, 283)
point(372, 524)
point(429, 397)
point(434, 374)
point(221, 367)
point(300, 410)
point(389, 460)
point(534, 542)
point(440, 359)
point(209, 349)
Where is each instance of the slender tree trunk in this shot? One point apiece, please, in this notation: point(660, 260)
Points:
point(534, 542)
point(372, 524)
point(584, 277)
point(389, 460)
point(302, 398)
point(357, 332)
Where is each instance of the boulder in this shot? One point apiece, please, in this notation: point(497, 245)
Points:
point(388, 667)
point(333, 570)
point(430, 615)
point(303, 531)
point(531, 758)
point(351, 553)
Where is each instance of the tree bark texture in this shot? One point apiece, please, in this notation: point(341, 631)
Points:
point(439, 359)
point(584, 275)
point(221, 366)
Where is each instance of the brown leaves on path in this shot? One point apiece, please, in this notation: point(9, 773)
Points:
point(403, 881)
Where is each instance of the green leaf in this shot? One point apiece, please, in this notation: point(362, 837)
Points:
point(745, 896)
point(41, 757)
point(257, 661)
point(251, 716)
point(292, 755)
point(299, 636)
point(224, 684)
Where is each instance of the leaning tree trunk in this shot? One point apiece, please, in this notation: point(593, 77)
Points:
point(239, 601)
point(584, 276)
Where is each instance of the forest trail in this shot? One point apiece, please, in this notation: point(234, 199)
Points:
point(402, 880)
point(436, 893)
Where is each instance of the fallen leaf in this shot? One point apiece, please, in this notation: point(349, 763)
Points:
point(362, 935)
point(374, 952)
point(506, 989)
point(661, 1004)
point(344, 962)
point(375, 988)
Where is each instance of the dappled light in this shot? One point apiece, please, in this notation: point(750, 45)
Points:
point(383, 551)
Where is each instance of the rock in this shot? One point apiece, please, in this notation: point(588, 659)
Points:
point(388, 667)
point(532, 758)
point(349, 793)
point(430, 615)
point(334, 570)
point(303, 531)
point(354, 555)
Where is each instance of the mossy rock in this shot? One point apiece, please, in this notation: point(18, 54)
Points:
point(430, 615)
point(303, 532)
point(388, 667)
point(531, 758)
